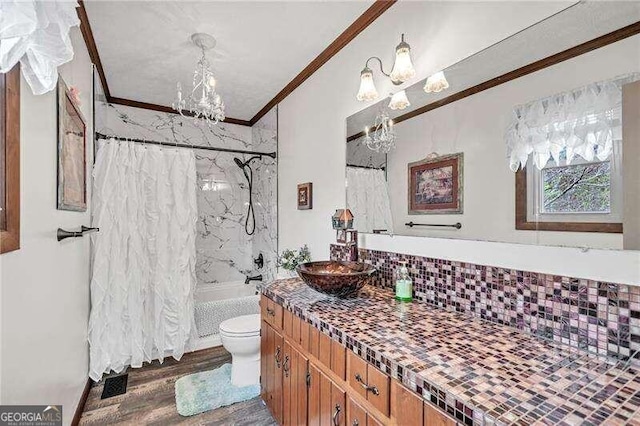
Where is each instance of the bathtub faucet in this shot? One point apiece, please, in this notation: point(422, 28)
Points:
point(256, 278)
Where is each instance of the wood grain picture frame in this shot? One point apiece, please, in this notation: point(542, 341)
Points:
point(10, 160)
point(72, 153)
point(435, 185)
point(305, 196)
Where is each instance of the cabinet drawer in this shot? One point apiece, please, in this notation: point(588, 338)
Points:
point(369, 382)
point(287, 323)
point(271, 312)
point(338, 359)
point(357, 373)
point(406, 407)
point(314, 341)
point(434, 417)
point(379, 381)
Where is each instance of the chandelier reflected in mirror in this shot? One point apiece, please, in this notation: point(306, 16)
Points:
point(203, 103)
point(382, 137)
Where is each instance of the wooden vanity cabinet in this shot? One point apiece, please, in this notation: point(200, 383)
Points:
point(307, 378)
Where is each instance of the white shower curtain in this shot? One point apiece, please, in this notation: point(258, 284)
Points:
point(368, 199)
point(143, 278)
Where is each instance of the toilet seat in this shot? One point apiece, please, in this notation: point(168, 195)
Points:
point(242, 326)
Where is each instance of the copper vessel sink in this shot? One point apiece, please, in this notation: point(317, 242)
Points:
point(335, 278)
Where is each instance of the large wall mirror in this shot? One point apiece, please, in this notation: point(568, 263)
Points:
point(536, 140)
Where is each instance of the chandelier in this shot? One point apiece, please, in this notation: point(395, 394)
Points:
point(203, 102)
point(382, 138)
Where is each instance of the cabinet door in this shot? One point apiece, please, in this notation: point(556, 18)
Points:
point(294, 369)
point(406, 406)
point(338, 405)
point(356, 416)
point(277, 389)
point(313, 412)
point(265, 361)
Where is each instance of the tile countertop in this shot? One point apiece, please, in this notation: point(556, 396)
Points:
point(485, 373)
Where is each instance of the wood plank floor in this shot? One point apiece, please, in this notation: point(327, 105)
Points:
point(150, 397)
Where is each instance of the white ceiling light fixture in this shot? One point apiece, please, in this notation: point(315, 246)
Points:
point(399, 101)
point(436, 83)
point(402, 71)
point(204, 103)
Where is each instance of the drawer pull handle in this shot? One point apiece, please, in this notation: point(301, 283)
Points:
point(336, 420)
point(373, 389)
point(355, 422)
point(285, 365)
point(278, 357)
point(271, 312)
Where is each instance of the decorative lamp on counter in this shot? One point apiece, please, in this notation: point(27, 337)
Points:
point(342, 219)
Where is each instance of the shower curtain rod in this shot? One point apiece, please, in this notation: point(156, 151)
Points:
point(182, 145)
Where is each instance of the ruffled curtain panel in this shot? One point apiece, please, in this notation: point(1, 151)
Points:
point(143, 278)
point(584, 122)
point(368, 199)
point(36, 34)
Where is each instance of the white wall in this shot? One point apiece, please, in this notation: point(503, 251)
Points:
point(311, 124)
point(45, 284)
point(476, 126)
point(312, 119)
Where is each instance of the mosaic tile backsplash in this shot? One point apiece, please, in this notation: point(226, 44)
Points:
point(599, 317)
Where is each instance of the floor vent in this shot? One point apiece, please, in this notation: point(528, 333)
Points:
point(115, 386)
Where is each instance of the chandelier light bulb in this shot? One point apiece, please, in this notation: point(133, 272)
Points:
point(212, 83)
point(367, 90)
point(436, 83)
point(399, 101)
point(402, 67)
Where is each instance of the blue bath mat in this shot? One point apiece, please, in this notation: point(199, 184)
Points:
point(200, 392)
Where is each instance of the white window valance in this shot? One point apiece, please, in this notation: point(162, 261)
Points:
point(584, 122)
point(36, 34)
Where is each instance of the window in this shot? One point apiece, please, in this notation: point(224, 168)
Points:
point(584, 196)
point(10, 160)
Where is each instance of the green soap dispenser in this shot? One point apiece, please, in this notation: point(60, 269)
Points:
point(404, 284)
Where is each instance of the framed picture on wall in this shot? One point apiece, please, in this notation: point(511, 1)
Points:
point(305, 196)
point(72, 152)
point(435, 185)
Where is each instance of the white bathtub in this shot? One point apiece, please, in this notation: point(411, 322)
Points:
point(218, 302)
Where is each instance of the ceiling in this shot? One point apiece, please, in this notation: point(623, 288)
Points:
point(145, 50)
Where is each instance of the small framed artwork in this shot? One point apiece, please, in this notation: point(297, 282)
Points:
point(72, 152)
point(435, 185)
point(305, 196)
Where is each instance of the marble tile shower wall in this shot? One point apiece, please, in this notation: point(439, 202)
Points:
point(264, 136)
point(600, 317)
point(224, 251)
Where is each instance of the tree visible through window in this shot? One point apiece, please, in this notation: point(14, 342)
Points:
point(580, 188)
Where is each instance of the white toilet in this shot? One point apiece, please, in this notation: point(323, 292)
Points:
point(241, 337)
